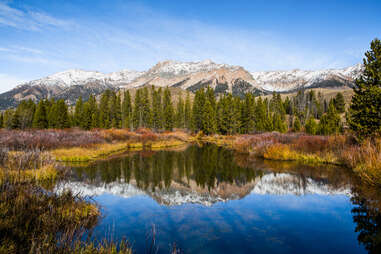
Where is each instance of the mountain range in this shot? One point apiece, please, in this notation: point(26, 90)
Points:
point(191, 76)
point(179, 193)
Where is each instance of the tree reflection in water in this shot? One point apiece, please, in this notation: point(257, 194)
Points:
point(210, 166)
point(367, 216)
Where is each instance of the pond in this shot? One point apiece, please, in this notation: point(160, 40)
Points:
point(207, 199)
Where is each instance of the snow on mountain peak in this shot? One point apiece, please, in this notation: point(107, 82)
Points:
point(281, 81)
point(173, 68)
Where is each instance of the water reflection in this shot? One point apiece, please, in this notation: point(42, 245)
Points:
point(273, 207)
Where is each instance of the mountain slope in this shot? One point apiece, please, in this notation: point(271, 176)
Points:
point(195, 75)
point(191, 76)
point(289, 81)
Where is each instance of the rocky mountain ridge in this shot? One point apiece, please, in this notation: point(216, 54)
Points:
point(191, 76)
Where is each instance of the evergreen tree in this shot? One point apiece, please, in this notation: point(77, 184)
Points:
point(62, 115)
point(297, 125)
point(53, 115)
point(180, 117)
point(137, 116)
point(188, 112)
point(86, 119)
point(23, 117)
point(157, 109)
point(146, 109)
point(279, 124)
point(126, 110)
point(260, 115)
point(330, 122)
point(77, 119)
point(236, 116)
point(198, 110)
point(364, 116)
point(311, 126)
point(208, 119)
point(208, 115)
point(104, 110)
point(40, 119)
point(168, 110)
point(8, 119)
point(94, 111)
point(339, 103)
point(116, 111)
point(248, 114)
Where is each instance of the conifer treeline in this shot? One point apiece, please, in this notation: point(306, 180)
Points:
point(154, 108)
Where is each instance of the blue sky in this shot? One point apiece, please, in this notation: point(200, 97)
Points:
point(39, 37)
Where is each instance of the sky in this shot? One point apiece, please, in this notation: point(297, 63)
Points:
point(39, 37)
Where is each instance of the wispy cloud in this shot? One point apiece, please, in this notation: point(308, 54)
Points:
point(28, 20)
point(137, 37)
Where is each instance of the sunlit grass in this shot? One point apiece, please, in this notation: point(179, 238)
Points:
point(83, 154)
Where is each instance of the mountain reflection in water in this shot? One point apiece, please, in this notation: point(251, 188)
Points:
point(209, 200)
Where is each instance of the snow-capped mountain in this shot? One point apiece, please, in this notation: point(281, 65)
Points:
point(285, 81)
point(179, 193)
point(71, 84)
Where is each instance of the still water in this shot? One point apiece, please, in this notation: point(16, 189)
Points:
point(211, 200)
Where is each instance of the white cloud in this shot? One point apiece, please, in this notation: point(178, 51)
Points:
point(8, 82)
point(28, 20)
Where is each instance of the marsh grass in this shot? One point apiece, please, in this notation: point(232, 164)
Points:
point(95, 152)
point(33, 219)
point(364, 158)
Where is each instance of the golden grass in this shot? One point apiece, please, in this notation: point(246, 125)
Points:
point(284, 152)
point(94, 152)
point(45, 174)
point(81, 154)
point(166, 143)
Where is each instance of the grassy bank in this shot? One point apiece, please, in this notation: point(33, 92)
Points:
point(74, 145)
point(98, 151)
point(34, 219)
point(364, 159)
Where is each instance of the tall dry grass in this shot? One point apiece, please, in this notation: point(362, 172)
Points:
point(364, 159)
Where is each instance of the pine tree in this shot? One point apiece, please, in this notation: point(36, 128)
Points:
point(330, 122)
point(279, 124)
point(311, 126)
point(40, 120)
point(208, 115)
point(180, 113)
point(116, 110)
point(104, 108)
point(197, 110)
point(53, 115)
point(77, 119)
point(157, 109)
point(93, 106)
point(260, 115)
point(8, 118)
point(23, 117)
point(146, 109)
point(62, 115)
point(208, 119)
point(1, 120)
point(168, 110)
point(236, 119)
point(188, 112)
point(297, 125)
point(364, 116)
point(126, 110)
point(248, 123)
point(339, 103)
point(137, 117)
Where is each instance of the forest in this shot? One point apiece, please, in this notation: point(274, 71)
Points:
point(156, 109)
